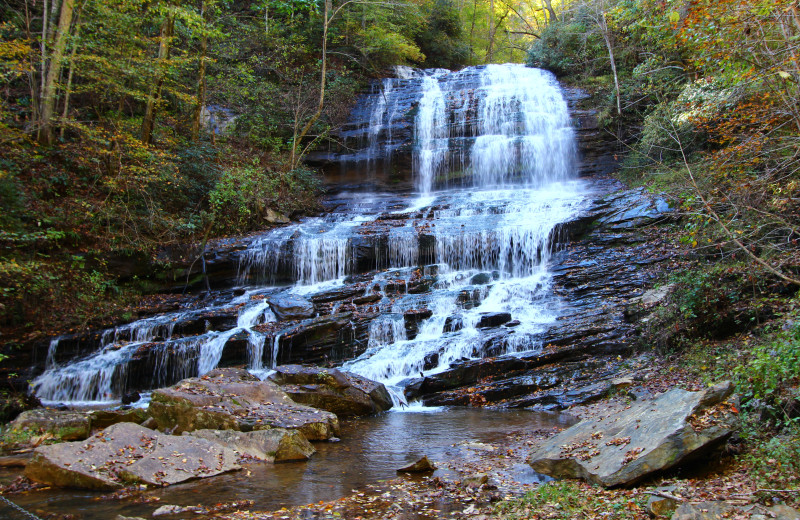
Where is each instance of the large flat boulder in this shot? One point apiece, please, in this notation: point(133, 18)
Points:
point(343, 393)
point(650, 436)
point(127, 453)
point(234, 399)
point(722, 510)
point(275, 445)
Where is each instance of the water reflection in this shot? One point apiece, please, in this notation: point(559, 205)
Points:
point(371, 449)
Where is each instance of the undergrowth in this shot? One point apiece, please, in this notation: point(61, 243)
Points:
point(727, 321)
point(568, 499)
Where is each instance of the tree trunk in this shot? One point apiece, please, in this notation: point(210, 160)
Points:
point(472, 28)
point(46, 133)
point(298, 136)
point(201, 80)
point(43, 44)
point(68, 89)
point(548, 4)
point(151, 108)
point(607, 38)
point(492, 30)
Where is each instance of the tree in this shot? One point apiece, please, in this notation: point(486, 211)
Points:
point(329, 15)
point(49, 90)
point(164, 44)
point(598, 11)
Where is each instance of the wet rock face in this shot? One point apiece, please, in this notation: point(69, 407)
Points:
point(605, 263)
point(614, 253)
point(288, 307)
point(650, 436)
point(493, 319)
point(127, 453)
point(343, 393)
point(600, 151)
point(401, 260)
point(233, 399)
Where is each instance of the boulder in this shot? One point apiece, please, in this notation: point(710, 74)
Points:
point(274, 217)
point(101, 419)
point(650, 436)
point(14, 403)
point(421, 466)
point(275, 445)
point(290, 307)
point(234, 399)
point(412, 319)
point(62, 425)
point(127, 453)
point(453, 323)
point(721, 510)
point(481, 279)
point(475, 481)
point(664, 503)
point(343, 393)
point(370, 298)
point(493, 319)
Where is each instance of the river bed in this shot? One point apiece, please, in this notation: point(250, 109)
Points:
point(371, 449)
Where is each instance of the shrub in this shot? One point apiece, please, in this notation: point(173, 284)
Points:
point(771, 371)
point(244, 194)
point(568, 47)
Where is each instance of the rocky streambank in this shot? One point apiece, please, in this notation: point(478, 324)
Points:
point(198, 428)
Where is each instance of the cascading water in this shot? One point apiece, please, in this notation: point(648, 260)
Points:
point(493, 156)
point(100, 376)
point(508, 143)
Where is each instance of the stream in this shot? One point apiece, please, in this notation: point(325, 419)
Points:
point(371, 450)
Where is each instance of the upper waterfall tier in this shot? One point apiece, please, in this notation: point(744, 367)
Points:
point(485, 126)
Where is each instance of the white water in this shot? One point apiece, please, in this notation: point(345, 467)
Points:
point(431, 133)
point(521, 165)
point(98, 377)
point(494, 160)
point(521, 128)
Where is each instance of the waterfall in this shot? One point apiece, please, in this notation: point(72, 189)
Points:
point(100, 376)
point(455, 270)
point(501, 136)
point(431, 134)
point(512, 128)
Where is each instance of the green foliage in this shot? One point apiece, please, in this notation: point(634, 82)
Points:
point(567, 47)
point(568, 499)
point(441, 37)
point(71, 289)
point(389, 48)
point(771, 369)
point(703, 294)
point(11, 200)
point(245, 194)
point(774, 461)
